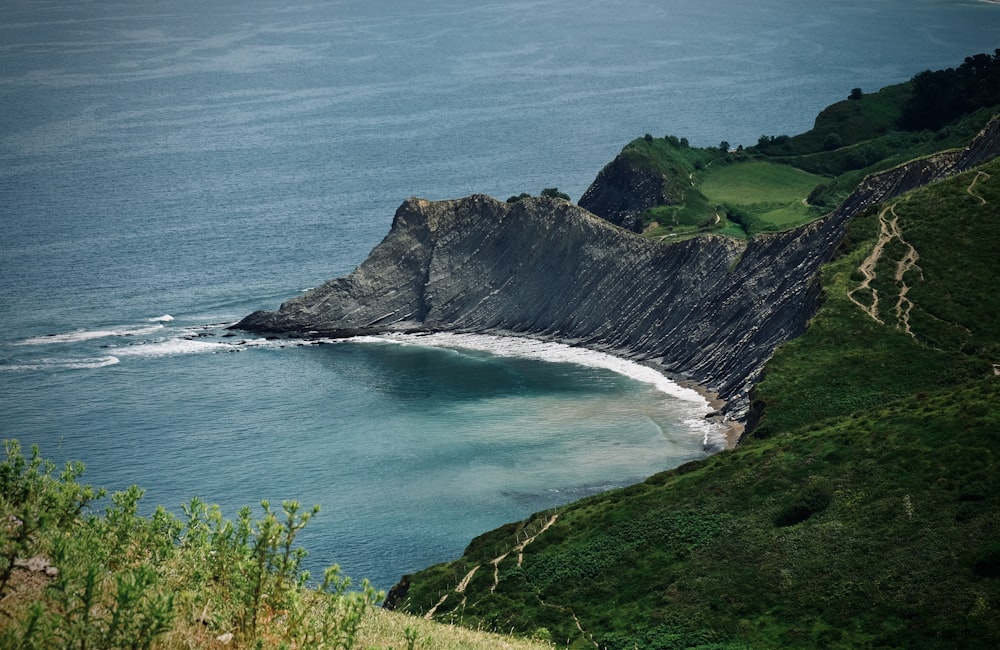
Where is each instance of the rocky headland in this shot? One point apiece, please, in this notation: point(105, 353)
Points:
point(709, 310)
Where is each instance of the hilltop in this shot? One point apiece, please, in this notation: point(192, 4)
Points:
point(667, 189)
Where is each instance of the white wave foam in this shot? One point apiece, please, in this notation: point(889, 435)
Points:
point(190, 344)
point(63, 364)
point(171, 347)
point(166, 318)
point(86, 335)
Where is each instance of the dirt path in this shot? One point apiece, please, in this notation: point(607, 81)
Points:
point(867, 269)
point(889, 231)
point(430, 612)
point(972, 185)
point(465, 581)
point(519, 549)
point(909, 262)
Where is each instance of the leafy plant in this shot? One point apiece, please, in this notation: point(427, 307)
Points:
point(121, 580)
point(814, 497)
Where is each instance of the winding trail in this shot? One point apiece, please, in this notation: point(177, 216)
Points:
point(519, 549)
point(972, 185)
point(909, 262)
point(889, 231)
point(867, 269)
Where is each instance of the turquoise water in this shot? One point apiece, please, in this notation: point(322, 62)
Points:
point(168, 167)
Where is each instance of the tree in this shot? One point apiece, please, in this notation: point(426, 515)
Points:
point(553, 192)
point(724, 146)
point(856, 94)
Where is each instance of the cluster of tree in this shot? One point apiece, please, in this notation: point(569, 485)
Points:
point(672, 140)
point(748, 221)
point(942, 96)
point(551, 192)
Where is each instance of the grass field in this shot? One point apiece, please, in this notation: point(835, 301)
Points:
point(761, 195)
point(757, 182)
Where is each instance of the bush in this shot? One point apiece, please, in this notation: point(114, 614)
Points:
point(554, 193)
point(987, 563)
point(123, 580)
point(815, 497)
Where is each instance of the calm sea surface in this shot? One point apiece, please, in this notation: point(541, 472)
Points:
point(167, 167)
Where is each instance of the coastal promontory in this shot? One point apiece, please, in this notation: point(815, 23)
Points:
point(710, 310)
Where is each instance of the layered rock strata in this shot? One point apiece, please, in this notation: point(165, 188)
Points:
point(711, 309)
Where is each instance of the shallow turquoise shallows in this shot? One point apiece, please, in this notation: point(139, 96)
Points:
point(168, 167)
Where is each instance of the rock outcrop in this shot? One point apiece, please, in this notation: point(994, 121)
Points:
point(710, 309)
point(623, 190)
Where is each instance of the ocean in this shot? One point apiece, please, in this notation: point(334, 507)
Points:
point(168, 167)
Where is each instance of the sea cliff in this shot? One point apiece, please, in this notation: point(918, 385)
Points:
point(710, 310)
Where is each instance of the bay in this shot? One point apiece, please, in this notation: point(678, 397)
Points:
point(205, 159)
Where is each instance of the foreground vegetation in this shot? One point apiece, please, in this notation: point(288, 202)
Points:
point(864, 511)
point(73, 579)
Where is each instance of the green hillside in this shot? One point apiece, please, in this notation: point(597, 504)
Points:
point(864, 512)
point(753, 189)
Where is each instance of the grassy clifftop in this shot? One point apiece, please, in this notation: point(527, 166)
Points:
point(865, 512)
point(784, 181)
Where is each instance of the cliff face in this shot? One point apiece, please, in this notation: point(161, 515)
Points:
point(710, 309)
point(622, 191)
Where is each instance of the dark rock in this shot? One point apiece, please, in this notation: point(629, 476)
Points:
point(711, 309)
point(397, 595)
point(622, 191)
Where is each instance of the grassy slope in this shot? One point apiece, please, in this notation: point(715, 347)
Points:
point(783, 181)
point(773, 193)
point(954, 325)
point(889, 441)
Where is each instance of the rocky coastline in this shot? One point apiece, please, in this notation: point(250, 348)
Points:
point(707, 312)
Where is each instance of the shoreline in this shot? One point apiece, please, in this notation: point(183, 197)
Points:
point(732, 429)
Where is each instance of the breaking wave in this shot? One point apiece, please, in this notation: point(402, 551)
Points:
point(61, 364)
point(86, 335)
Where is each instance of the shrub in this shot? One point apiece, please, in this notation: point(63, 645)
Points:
point(123, 580)
point(553, 192)
point(987, 563)
point(814, 497)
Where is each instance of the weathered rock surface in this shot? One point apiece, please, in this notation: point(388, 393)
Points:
point(711, 309)
point(622, 191)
